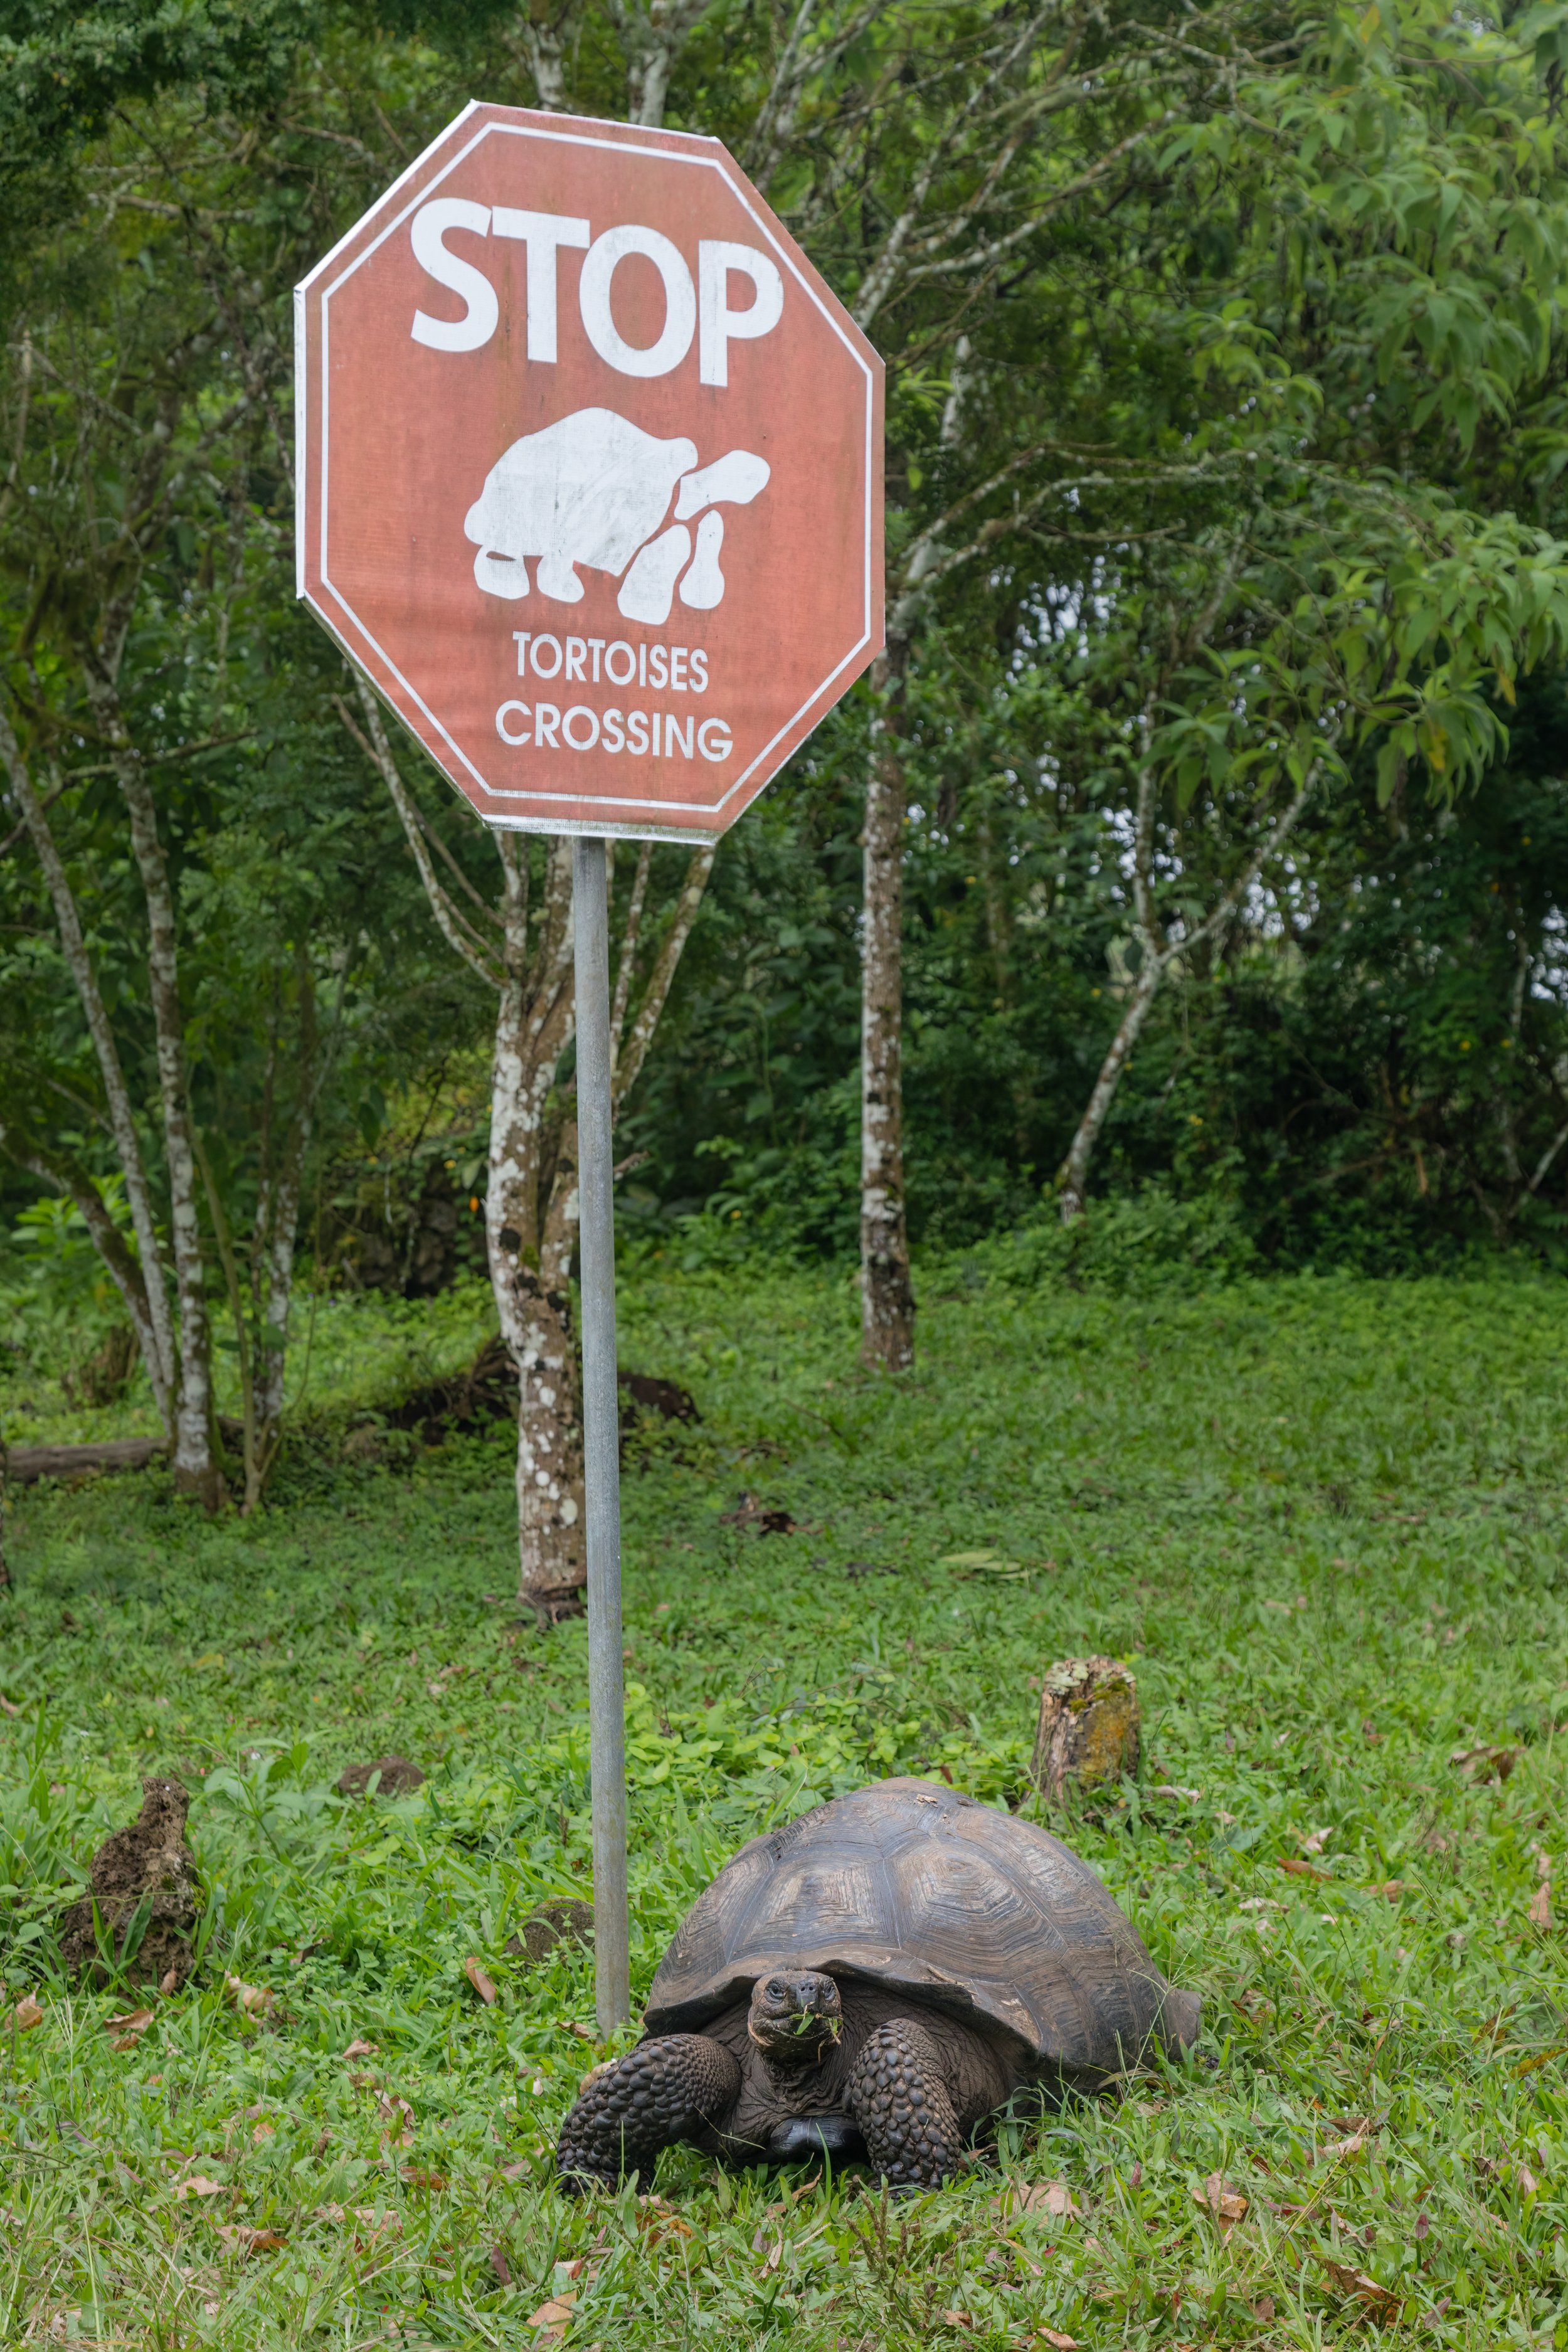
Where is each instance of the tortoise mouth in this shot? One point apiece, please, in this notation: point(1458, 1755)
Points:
point(796, 2017)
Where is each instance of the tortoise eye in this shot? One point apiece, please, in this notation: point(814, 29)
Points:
point(775, 1990)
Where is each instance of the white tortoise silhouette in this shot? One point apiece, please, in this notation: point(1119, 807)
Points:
point(592, 489)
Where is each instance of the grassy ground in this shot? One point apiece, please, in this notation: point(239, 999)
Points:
point(1324, 1520)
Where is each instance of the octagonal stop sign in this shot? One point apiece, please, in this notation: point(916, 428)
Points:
point(589, 467)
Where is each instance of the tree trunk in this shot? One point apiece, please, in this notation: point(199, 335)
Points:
point(529, 1239)
point(150, 1314)
point(196, 1471)
point(888, 1304)
point(1073, 1175)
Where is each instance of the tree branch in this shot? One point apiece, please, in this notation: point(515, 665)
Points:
point(455, 930)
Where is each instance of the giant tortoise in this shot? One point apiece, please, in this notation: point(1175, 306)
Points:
point(876, 1978)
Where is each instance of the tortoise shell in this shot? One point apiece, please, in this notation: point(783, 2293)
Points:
point(919, 1889)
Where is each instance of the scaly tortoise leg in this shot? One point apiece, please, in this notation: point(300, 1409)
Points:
point(897, 2096)
point(657, 2093)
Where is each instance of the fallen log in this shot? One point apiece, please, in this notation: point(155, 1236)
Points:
point(24, 1463)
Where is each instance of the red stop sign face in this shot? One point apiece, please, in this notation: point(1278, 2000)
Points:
point(589, 463)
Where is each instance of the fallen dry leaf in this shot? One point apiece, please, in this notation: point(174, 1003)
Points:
point(133, 2022)
point(239, 2240)
point(262, 2132)
point(169, 1984)
point(553, 2318)
point(1043, 2197)
point(1392, 1889)
point(517, 2171)
point(364, 2214)
point(26, 2014)
point(958, 2319)
point(399, 2118)
point(584, 2033)
point(1227, 2205)
point(1263, 2307)
point(1528, 2184)
point(1485, 1762)
point(1539, 1912)
point(198, 2185)
point(1344, 2150)
point(1303, 1870)
point(1316, 1842)
point(1379, 2303)
point(1062, 2343)
point(656, 2219)
point(362, 2049)
point(418, 2177)
point(474, 1970)
point(774, 2257)
point(253, 2000)
point(499, 2264)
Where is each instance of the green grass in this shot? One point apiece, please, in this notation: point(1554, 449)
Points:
point(1326, 1522)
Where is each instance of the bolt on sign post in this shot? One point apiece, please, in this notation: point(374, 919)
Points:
point(589, 465)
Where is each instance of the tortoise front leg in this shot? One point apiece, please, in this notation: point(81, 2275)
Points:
point(657, 2093)
point(898, 2094)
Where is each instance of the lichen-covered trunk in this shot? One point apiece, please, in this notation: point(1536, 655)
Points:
point(888, 1304)
point(529, 1261)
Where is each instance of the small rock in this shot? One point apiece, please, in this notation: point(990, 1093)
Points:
point(1088, 1727)
point(398, 1777)
point(149, 1863)
point(553, 1923)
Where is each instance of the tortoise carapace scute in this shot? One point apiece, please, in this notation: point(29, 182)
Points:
point(877, 1976)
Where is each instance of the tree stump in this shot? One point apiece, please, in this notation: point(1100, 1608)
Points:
point(1088, 1725)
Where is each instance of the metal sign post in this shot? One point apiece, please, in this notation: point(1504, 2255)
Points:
point(600, 1432)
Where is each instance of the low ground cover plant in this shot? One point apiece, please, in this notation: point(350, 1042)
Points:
point(1324, 1523)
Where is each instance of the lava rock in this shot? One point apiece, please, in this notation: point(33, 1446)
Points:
point(148, 1865)
point(553, 1923)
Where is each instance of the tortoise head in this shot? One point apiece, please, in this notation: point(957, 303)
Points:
point(795, 2015)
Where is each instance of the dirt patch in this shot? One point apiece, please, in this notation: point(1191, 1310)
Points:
point(399, 1778)
point(146, 1872)
point(486, 1391)
point(763, 1518)
point(568, 1922)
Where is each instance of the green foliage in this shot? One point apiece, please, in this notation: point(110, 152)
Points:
point(1322, 1519)
point(58, 1303)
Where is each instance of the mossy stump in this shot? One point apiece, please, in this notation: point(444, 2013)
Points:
point(1088, 1727)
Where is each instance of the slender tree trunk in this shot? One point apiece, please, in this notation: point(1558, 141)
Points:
point(1158, 954)
point(888, 1304)
point(1073, 1177)
point(196, 1469)
point(150, 1313)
